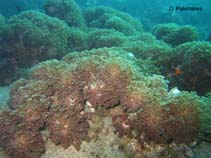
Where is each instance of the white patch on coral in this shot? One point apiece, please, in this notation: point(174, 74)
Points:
point(88, 104)
point(88, 107)
point(174, 92)
point(124, 125)
point(71, 101)
point(130, 54)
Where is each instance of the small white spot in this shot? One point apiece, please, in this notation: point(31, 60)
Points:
point(175, 91)
point(71, 101)
point(88, 104)
point(89, 107)
point(92, 109)
point(130, 54)
point(124, 125)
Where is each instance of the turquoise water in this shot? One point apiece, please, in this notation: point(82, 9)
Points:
point(105, 78)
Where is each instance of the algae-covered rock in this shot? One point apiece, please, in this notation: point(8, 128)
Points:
point(66, 10)
point(98, 103)
point(105, 17)
point(31, 37)
point(175, 34)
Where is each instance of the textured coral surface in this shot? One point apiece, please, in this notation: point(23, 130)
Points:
point(100, 96)
point(90, 83)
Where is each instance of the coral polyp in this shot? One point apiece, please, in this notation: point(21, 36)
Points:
point(103, 90)
point(123, 125)
point(18, 139)
point(66, 130)
point(177, 121)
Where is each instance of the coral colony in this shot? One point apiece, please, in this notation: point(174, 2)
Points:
point(93, 84)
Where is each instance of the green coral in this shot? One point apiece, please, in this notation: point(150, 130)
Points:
point(32, 36)
point(99, 38)
point(105, 17)
point(120, 25)
point(66, 10)
point(174, 34)
point(78, 39)
point(145, 47)
point(194, 60)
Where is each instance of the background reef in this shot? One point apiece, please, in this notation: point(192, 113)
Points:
point(94, 81)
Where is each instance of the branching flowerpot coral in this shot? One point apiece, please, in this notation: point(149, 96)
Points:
point(193, 61)
point(100, 98)
point(109, 18)
point(66, 10)
point(31, 37)
point(174, 34)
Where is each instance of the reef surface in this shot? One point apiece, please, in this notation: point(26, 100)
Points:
point(100, 99)
point(93, 84)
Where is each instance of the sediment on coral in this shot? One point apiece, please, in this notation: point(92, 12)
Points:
point(67, 101)
point(66, 10)
point(175, 34)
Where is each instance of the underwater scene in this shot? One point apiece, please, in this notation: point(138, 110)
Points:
point(105, 79)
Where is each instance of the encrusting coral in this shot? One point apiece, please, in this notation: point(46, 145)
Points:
point(67, 102)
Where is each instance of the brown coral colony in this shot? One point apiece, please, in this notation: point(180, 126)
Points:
point(67, 109)
point(109, 84)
